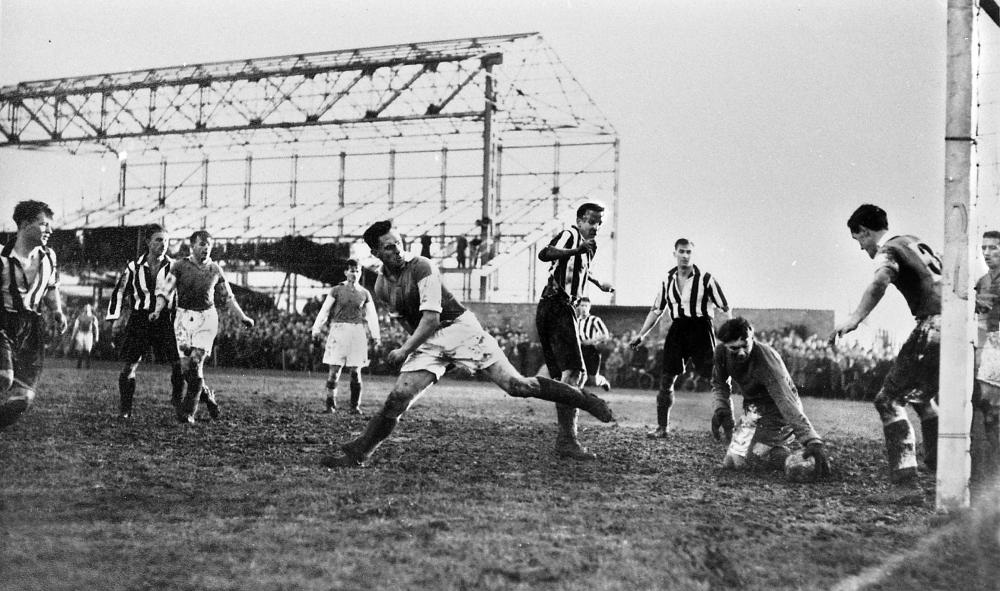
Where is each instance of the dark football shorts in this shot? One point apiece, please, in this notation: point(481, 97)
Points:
point(689, 339)
point(22, 346)
point(913, 378)
point(591, 359)
point(141, 334)
point(555, 321)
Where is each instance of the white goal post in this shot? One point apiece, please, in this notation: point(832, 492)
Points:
point(958, 323)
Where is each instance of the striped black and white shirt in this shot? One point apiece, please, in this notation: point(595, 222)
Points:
point(592, 328)
point(700, 295)
point(138, 283)
point(569, 275)
point(24, 283)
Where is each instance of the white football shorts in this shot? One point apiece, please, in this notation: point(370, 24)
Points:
point(346, 345)
point(196, 329)
point(463, 342)
point(84, 342)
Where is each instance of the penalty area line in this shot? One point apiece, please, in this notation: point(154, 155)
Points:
point(875, 574)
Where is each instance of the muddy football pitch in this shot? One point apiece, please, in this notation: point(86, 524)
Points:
point(467, 494)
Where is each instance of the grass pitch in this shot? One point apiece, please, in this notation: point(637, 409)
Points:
point(467, 494)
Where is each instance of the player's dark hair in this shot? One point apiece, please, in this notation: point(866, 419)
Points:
point(870, 216)
point(682, 242)
point(351, 264)
point(200, 235)
point(27, 211)
point(734, 329)
point(376, 231)
point(584, 299)
point(581, 212)
point(994, 234)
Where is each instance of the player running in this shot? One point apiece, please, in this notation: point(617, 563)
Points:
point(442, 332)
point(199, 282)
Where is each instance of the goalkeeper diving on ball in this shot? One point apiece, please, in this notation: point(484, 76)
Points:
point(773, 417)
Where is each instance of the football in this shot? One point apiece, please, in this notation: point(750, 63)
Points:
point(799, 468)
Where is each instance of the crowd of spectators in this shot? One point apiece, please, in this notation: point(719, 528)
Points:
point(854, 372)
point(282, 340)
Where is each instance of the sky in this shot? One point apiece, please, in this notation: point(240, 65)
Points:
point(753, 129)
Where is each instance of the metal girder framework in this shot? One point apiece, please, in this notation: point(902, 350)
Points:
point(395, 92)
point(487, 136)
point(334, 196)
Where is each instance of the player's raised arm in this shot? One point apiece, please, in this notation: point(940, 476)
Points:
point(564, 246)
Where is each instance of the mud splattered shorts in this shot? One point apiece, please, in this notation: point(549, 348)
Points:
point(464, 343)
point(913, 378)
point(196, 329)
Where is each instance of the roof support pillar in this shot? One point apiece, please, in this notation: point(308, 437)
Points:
point(489, 165)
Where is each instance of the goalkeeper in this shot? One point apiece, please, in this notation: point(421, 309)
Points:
point(768, 393)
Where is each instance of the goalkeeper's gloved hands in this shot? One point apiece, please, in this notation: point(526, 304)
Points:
point(817, 451)
point(722, 421)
